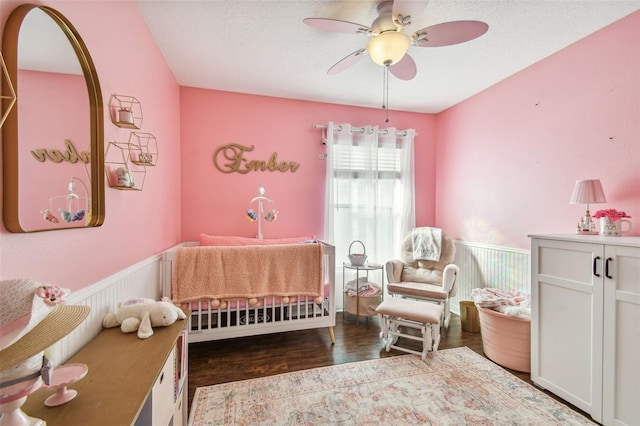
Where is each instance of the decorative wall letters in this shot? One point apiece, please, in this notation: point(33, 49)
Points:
point(70, 155)
point(233, 153)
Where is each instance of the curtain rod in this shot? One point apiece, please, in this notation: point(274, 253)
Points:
point(361, 130)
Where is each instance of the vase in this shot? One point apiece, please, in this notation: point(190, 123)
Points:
point(613, 228)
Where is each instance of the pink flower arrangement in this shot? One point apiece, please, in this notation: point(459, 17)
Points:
point(611, 214)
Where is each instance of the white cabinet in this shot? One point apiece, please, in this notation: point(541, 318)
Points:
point(168, 400)
point(585, 328)
point(130, 381)
point(621, 360)
point(180, 413)
point(162, 395)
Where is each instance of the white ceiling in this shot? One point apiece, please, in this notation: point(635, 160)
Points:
point(262, 47)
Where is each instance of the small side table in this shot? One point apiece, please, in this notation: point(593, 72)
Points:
point(375, 299)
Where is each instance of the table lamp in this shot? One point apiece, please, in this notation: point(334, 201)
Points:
point(588, 191)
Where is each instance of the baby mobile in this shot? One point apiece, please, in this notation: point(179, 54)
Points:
point(271, 216)
point(72, 210)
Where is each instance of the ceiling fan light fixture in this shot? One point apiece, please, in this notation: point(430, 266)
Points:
point(388, 48)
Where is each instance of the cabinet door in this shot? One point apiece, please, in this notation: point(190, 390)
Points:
point(162, 394)
point(566, 324)
point(621, 379)
point(179, 410)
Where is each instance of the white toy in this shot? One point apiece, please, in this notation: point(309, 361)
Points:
point(142, 315)
point(125, 178)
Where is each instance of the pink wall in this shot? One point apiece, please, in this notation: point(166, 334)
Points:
point(508, 157)
point(137, 224)
point(214, 202)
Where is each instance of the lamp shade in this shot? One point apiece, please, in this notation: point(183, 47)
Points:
point(388, 48)
point(587, 191)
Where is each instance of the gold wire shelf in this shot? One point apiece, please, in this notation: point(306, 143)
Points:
point(11, 97)
point(125, 111)
point(120, 171)
point(143, 149)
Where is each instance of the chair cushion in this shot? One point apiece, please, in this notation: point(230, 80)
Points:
point(421, 275)
point(424, 312)
point(409, 288)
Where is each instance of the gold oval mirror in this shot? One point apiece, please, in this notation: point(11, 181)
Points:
point(53, 138)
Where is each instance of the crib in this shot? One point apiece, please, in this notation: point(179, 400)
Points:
point(263, 315)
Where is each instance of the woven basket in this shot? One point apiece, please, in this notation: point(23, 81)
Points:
point(357, 259)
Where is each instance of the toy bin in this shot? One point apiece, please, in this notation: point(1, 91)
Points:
point(506, 339)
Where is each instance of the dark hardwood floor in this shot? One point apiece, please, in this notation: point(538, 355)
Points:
point(243, 358)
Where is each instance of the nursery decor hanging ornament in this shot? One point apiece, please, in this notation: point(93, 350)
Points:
point(48, 216)
point(271, 216)
point(74, 207)
point(251, 215)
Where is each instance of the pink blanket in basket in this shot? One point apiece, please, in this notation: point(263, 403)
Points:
point(224, 273)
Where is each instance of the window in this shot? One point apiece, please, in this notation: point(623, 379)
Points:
point(369, 190)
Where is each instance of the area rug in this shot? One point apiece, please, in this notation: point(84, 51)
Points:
point(451, 387)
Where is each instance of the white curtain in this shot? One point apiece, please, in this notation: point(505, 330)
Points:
point(369, 192)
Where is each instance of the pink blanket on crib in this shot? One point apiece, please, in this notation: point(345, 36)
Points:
point(247, 272)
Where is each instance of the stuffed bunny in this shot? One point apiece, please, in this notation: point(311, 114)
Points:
point(142, 315)
point(125, 177)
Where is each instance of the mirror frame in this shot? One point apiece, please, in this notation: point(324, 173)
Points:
point(10, 141)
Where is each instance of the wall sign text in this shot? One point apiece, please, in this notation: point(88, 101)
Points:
point(70, 154)
point(231, 159)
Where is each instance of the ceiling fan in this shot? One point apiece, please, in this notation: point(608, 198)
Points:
point(389, 44)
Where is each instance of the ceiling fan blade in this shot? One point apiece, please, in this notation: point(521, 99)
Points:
point(409, 8)
point(338, 26)
point(449, 33)
point(347, 61)
point(405, 68)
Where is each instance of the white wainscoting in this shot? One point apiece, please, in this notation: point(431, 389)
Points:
point(484, 265)
point(481, 265)
point(142, 279)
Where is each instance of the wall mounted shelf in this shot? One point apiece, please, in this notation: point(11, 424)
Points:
point(121, 172)
point(143, 149)
point(125, 111)
point(8, 100)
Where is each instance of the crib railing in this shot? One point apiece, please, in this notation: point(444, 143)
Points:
point(273, 314)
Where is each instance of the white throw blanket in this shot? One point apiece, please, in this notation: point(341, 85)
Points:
point(427, 243)
point(513, 303)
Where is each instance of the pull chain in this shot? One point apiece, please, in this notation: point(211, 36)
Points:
point(385, 92)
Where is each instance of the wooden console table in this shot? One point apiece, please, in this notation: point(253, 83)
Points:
point(123, 370)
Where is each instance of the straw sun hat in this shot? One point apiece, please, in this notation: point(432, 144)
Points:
point(33, 317)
